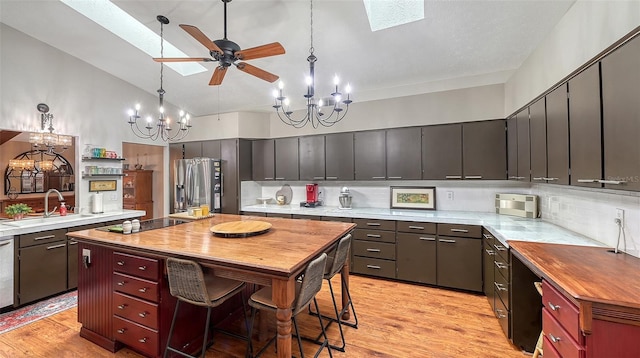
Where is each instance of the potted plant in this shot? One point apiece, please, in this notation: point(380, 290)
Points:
point(17, 211)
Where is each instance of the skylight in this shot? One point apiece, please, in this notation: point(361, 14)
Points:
point(125, 26)
point(384, 14)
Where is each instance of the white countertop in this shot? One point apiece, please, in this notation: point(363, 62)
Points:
point(503, 227)
point(37, 224)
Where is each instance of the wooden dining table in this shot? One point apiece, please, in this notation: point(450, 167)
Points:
point(272, 258)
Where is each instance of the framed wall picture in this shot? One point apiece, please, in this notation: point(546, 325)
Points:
point(103, 185)
point(413, 197)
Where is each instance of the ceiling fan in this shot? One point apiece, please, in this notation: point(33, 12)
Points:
point(228, 53)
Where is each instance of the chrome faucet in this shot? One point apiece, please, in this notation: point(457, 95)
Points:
point(46, 202)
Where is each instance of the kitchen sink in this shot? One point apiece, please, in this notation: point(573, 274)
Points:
point(34, 221)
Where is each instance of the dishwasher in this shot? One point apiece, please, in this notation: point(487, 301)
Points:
point(6, 271)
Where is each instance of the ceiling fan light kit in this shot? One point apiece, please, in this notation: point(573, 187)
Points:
point(314, 114)
point(162, 129)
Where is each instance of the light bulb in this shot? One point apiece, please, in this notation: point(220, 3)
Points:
point(336, 80)
point(308, 80)
point(130, 112)
point(280, 85)
point(348, 88)
point(181, 113)
point(338, 98)
point(286, 101)
point(161, 109)
point(137, 106)
point(188, 116)
point(320, 104)
point(149, 119)
point(275, 93)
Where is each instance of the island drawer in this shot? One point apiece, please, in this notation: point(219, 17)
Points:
point(136, 265)
point(375, 249)
point(137, 310)
point(134, 286)
point(501, 286)
point(375, 224)
point(561, 309)
point(559, 338)
point(136, 336)
point(416, 227)
point(43, 237)
point(502, 314)
point(459, 230)
point(502, 266)
point(374, 267)
point(374, 235)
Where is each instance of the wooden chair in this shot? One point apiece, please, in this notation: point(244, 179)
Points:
point(538, 351)
point(307, 287)
point(189, 284)
point(335, 262)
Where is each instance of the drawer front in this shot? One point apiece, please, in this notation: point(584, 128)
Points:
point(501, 286)
point(501, 250)
point(136, 266)
point(305, 217)
point(560, 308)
point(139, 337)
point(502, 314)
point(375, 224)
point(374, 267)
point(128, 205)
point(559, 338)
point(138, 287)
point(137, 310)
point(279, 215)
point(44, 237)
point(416, 227)
point(374, 235)
point(380, 250)
point(472, 231)
point(501, 266)
point(549, 350)
point(336, 218)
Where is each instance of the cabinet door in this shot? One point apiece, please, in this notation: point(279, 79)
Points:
point(512, 148)
point(621, 116)
point(72, 263)
point(538, 135)
point(286, 159)
point(484, 153)
point(192, 150)
point(312, 158)
point(236, 162)
point(558, 136)
point(403, 153)
point(43, 271)
point(369, 155)
point(211, 149)
point(416, 257)
point(585, 132)
point(442, 152)
point(339, 156)
point(175, 152)
point(488, 273)
point(459, 263)
point(262, 159)
point(524, 147)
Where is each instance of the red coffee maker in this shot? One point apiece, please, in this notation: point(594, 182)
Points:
point(312, 196)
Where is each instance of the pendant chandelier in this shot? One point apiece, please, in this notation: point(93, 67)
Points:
point(48, 141)
point(162, 128)
point(315, 106)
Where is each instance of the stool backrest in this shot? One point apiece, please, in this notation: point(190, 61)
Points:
point(339, 256)
point(311, 283)
point(186, 281)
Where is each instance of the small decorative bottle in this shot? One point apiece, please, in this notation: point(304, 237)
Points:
point(63, 209)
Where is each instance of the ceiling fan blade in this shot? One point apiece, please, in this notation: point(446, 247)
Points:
point(218, 75)
point(182, 59)
point(201, 37)
point(272, 49)
point(260, 73)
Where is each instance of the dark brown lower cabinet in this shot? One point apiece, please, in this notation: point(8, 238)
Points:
point(459, 259)
point(72, 264)
point(488, 274)
point(416, 259)
point(526, 306)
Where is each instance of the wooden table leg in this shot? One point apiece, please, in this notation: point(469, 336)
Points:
point(344, 273)
point(283, 294)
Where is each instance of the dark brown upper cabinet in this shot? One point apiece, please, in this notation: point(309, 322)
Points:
point(621, 117)
point(312, 157)
point(212, 149)
point(538, 136)
point(558, 136)
point(192, 150)
point(369, 155)
point(339, 156)
point(442, 152)
point(512, 147)
point(484, 150)
point(263, 159)
point(524, 146)
point(403, 153)
point(286, 159)
point(585, 135)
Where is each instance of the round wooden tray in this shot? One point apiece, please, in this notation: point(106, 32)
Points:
point(243, 228)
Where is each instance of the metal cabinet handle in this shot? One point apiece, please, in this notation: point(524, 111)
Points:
point(427, 238)
point(554, 307)
point(500, 247)
point(554, 339)
point(120, 263)
point(72, 242)
point(5, 243)
point(487, 236)
point(122, 306)
point(460, 230)
point(269, 178)
point(332, 178)
point(373, 250)
point(373, 267)
point(121, 330)
point(44, 237)
point(378, 177)
point(56, 246)
point(473, 176)
point(416, 227)
point(373, 224)
point(490, 252)
point(447, 241)
point(318, 178)
point(395, 177)
point(551, 179)
point(374, 236)
point(280, 178)
point(538, 178)
point(500, 265)
point(453, 176)
point(614, 182)
point(499, 286)
point(516, 178)
point(142, 268)
point(143, 314)
point(121, 283)
point(588, 180)
point(500, 313)
point(143, 340)
point(143, 289)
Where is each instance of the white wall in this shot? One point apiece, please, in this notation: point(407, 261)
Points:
point(587, 29)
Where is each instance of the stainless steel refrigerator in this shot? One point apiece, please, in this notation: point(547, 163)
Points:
point(197, 181)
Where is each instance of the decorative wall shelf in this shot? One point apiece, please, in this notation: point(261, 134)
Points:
point(101, 158)
point(85, 176)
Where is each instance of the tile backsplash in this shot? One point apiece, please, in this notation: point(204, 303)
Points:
point(587, 211)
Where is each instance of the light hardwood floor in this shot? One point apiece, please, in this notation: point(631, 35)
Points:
point(396, 320)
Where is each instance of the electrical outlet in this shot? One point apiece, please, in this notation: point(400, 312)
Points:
point(450, 195)
point(620, 217)
point(86, 255)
